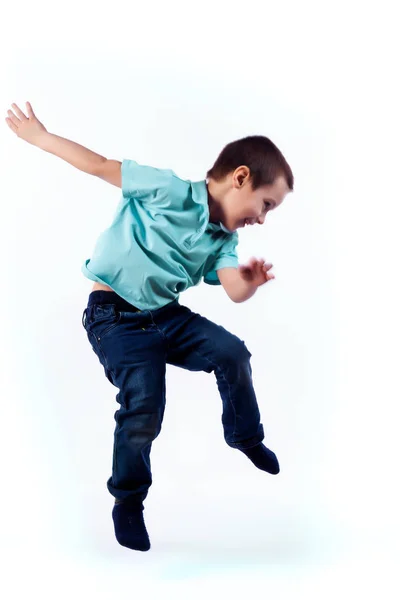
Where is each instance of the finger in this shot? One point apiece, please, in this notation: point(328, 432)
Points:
point(268, 266)
point(11, 125)
point(268, 275)
point(13, 118)
point(19, 113)
point(29, 110)
point(252, 264)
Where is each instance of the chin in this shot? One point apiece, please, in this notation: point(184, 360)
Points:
point(228, 228)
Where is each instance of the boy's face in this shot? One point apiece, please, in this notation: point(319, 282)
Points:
point(245, 206)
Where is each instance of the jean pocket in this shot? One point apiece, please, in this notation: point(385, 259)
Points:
point(101, 319)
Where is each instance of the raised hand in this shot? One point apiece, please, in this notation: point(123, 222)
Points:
point(256, 271)
point(28, 128)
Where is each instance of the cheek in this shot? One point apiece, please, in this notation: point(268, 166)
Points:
point(245, 209)
point(252, 211)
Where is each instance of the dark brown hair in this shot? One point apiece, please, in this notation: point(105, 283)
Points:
point(265, 161)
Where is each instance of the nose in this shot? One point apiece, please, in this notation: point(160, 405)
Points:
point(261, 219)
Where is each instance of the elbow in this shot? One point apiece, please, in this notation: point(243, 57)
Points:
point(237, 300)
point(97, 166)
point(234, 296)
point(109, 170)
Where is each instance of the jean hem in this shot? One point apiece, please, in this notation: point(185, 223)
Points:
point(246, 444)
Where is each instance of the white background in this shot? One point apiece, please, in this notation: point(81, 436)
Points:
point(169, 84)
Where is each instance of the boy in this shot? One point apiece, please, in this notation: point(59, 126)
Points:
point(167, 235)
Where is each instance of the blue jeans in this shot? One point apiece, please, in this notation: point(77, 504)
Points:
point(134, 348)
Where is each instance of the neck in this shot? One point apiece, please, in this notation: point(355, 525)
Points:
point(215, 201)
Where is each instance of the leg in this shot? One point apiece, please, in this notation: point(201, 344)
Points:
point(133, 356)
point(201, 345)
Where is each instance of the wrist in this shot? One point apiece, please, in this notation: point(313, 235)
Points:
point(43, 140)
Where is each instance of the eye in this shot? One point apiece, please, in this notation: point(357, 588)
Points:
point(267, 205)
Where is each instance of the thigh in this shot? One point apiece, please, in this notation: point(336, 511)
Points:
point(201, 345)
point(133, 354)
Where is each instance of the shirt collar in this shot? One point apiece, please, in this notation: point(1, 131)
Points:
point(200, 197)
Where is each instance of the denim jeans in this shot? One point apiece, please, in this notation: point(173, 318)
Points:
point(134, 348)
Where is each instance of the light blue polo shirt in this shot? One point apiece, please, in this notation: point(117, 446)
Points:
point(161, 241)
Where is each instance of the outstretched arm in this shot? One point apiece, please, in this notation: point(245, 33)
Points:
point(29, 128)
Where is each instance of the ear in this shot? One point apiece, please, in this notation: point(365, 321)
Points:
point(241, 176)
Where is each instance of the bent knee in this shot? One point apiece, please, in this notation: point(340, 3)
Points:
point(234, 352)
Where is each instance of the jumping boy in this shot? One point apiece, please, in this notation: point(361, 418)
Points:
point(167, 235)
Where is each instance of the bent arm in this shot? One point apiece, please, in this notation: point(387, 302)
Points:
point(234, 285)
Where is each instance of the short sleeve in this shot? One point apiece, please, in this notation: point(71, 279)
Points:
point(139, 181)
point(227, 257)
